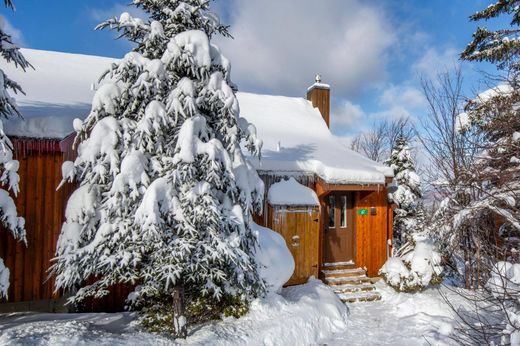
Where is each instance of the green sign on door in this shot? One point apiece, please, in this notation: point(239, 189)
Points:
point(363, 211)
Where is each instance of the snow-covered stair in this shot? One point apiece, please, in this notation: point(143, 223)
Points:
point(351, 284)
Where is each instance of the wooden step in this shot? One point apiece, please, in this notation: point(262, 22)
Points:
point(338, 265)
point(351, 280)
point(365, 287)
point(360, 297)
point(343, 272)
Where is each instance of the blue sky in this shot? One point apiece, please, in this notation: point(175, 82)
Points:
point(371, 52)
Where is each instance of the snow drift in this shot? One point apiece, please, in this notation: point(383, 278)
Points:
point(273, 257)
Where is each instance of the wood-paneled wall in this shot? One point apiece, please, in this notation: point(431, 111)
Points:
point(43, 209)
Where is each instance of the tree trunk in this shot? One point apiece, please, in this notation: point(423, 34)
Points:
point(179, 318)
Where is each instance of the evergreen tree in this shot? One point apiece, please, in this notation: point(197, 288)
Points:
point(166, 194)
point(408, 214)
point(8, 166)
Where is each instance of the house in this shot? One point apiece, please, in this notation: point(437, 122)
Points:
point(341, 222)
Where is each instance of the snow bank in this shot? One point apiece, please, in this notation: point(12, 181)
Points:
point(273, 257)
point(415, 269)
point(302, 315)
point(395, 271)
point(290, 192)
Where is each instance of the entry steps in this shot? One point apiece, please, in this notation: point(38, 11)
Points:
point(351, 284)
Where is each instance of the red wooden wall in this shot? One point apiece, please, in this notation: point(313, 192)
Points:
point(44, 211)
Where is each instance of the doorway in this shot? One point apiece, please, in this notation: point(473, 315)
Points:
point(339, 235)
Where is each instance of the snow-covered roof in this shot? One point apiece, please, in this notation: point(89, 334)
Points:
point(295, 136)
point(291, 192)
point(58, 90)
point(297, 139)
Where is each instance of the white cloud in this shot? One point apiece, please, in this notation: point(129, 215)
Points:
point(434, 62)
point(402, 95)
point(346, 117)
point(15, 33)
point(395, 112)
point(280, 45)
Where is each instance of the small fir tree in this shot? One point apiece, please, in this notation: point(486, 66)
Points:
point(408, 216)
point(165, 193)
point(416, 262)
point(8, 166)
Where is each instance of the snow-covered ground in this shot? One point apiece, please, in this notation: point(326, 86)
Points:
point(401, 319)
point(308, 314)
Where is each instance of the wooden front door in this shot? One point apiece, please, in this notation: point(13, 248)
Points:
point(300, 229)
point(339, 234)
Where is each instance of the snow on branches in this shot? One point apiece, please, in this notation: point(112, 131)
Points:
point(8, 166)
point(166, 194)
point(407, 193)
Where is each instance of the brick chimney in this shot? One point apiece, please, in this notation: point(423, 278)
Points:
point(319, 95)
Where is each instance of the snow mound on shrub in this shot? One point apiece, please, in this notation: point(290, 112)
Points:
point(301, 315)
point(415, 269)
point(275, 261)
point(395, 271)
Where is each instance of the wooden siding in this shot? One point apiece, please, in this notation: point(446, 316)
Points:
point(372, 231)
point(299, 226)
point(43, 209)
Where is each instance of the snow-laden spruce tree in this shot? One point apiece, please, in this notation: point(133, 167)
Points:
point(8, 166)
point(407, 195)
point(165, 192)
point(415, 262)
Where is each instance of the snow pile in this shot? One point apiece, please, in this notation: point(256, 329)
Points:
point(290, 192)
point(275, 261)
point(302, 315)
point(415, 269)
point(394, 271)
point(504, 285)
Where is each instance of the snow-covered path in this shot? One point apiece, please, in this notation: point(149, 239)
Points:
point(304, 315)
point(399, 319)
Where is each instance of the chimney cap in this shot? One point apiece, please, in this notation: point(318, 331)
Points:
point(318, 84)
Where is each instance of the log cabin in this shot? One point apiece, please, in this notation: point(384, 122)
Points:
point(340, 232)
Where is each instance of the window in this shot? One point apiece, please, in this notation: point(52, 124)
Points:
point(332, 211)
point(343, 216)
